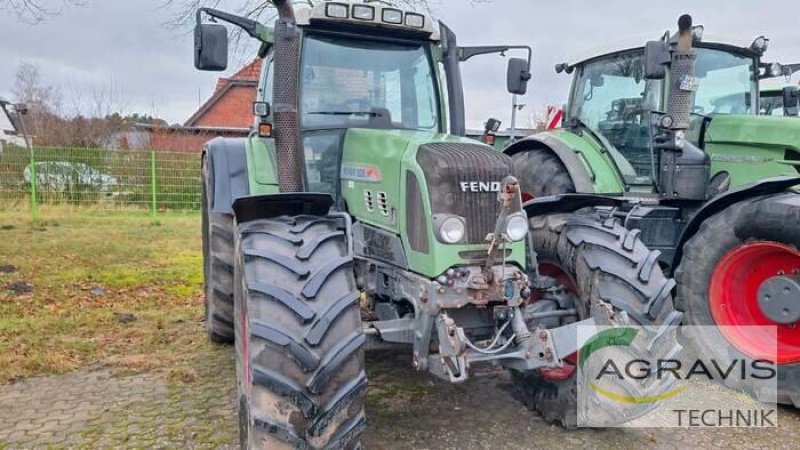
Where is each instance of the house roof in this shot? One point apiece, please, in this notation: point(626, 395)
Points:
point(246, 76)
point(180, 128)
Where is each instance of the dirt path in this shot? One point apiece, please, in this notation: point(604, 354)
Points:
point(406, 410)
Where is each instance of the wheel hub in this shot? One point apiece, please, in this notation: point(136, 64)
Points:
point(779, 299)
point(754, 297)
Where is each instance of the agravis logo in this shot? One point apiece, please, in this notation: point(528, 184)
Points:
point(618, 337)
point(626, 379)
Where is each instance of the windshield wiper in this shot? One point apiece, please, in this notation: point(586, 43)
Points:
point(346, 113)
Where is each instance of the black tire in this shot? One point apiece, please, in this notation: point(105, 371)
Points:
point(299, 342)
point(541, 173)
point(217, 266)
point(772, 218)
point(608, 264)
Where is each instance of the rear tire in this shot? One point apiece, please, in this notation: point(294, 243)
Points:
point(299, 344)
point(605, 263)
point(541, 173)
point(217, 266)
point(770, 219)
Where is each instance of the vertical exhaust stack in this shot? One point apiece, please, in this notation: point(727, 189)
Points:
point(682, 76)
point(684, 168)
point(288, 141)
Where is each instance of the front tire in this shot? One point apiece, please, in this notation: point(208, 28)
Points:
point(217, 265)
point(600, 263)
point(299, 345)
point(541, 173)
point(730, 256)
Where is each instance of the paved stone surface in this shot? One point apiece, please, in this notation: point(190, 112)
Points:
point(98, 409)
point(407, 410)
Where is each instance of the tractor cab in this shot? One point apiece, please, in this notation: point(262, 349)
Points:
point(363, 67)
point(613, 99)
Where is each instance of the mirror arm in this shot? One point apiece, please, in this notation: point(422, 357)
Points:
point(465, 53)
point(250, 26)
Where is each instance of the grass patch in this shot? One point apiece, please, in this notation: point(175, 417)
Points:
point(108, 289)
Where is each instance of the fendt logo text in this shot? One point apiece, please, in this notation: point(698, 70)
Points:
point(480, 186)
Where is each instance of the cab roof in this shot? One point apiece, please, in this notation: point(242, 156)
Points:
point(638, 42)
point(323, 14)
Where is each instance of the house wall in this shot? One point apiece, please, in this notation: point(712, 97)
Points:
point(8, 134)
point(178, 140)
point(232, 110)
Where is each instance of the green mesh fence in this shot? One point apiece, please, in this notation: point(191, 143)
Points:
point(150, 181)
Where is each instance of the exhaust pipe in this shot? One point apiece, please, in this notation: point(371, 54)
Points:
point(288, 142)
point(285, 9)
point(682, 76)
point(684, 168)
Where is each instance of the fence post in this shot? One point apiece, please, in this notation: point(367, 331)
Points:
point(34, 206)
point(153, 185)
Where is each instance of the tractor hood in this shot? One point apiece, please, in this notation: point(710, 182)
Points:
point(408, 182)
point(752, 148)
point(767, 131)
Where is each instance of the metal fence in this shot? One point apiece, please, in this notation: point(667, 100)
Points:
point(152, 181)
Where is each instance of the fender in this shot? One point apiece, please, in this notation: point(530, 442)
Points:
point(266, 206)
point(764, 187)
point(227, 160)
point(577, 171)
point(568, 203)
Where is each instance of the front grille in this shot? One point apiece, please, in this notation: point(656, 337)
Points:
point(447, 166)
point(480, 256)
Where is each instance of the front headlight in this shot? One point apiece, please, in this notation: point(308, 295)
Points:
point(452, 230)
point(516, 227)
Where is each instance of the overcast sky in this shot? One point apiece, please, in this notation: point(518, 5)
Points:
point(125, 44)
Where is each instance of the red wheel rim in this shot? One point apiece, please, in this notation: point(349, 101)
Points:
point(733, 298)
point(564, 279)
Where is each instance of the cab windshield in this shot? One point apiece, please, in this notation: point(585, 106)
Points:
point(612, 98)
point(350, 83)
point(727, 83)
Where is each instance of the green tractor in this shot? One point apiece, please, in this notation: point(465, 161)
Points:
point(667, 136)
point(355, 216)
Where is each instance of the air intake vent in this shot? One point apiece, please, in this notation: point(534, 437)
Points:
point(415, 215)
point(383, 204)
point(369, 200)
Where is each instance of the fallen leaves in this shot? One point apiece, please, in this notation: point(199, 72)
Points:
point(107, 290)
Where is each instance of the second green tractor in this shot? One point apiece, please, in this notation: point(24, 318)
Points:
point(667, 136)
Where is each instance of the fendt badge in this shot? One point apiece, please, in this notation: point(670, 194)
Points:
point(480, 186)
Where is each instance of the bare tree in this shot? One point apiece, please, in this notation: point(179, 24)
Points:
point(34, 11)
point(43, 102)
point(93, 115)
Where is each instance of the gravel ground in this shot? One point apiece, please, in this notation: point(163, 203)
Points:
point(99, 408)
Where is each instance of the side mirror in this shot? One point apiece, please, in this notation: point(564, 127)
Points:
point(492, 125)
point(518, 76)
point(791, 100)
point(656, 58)
point(210, 47)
